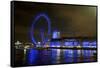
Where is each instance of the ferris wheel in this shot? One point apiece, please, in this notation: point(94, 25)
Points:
point(41, 32)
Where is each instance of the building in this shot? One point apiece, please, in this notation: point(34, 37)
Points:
point(56, 35)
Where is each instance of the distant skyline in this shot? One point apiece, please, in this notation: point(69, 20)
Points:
point(70, 20)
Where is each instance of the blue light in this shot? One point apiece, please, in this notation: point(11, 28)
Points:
point(71, 42)
point(76, 43)
point(87, 53)
point(85, 43)
point(52, 44)
point(68, 43)
point(68, 54)
point(35, 21)
point(94, 43)
point(55, 44)
point(32, 56)
point(54, 55)
point(56, 34)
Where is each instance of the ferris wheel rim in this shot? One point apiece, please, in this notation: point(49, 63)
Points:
point(39, 16)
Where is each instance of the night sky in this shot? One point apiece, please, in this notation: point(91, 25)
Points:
point(70, 20)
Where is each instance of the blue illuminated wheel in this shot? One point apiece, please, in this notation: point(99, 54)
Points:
point(38, 17)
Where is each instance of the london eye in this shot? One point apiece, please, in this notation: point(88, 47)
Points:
point(41, 31)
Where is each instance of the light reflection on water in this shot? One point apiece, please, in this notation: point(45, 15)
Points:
point(56, 56)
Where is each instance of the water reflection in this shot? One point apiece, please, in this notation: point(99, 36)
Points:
point(56, 56)
point(31, 56)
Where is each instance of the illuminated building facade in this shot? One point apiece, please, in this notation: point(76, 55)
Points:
point(56, 35)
